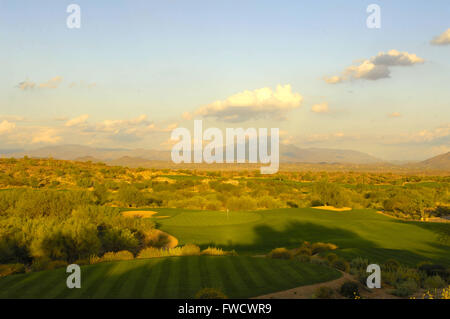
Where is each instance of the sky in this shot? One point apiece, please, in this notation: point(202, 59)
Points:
point(135, 70)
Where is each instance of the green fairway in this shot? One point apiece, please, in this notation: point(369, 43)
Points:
point(357, 233)
point(170, 277)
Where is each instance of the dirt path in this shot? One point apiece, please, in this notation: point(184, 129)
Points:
point(306, 292)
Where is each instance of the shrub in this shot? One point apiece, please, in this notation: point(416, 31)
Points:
point(94, 259)
point(341, 265)
point(190, 250)
point(349, 289)
point(331, 257)
point(391, 264)
point(438, 294)
point(212, 251)
point(305, 251)
point(303, 258)
point(323, 292)
point(151, 252)
point(434, 282)
point(359, 263)
point(434, 269)
point(186, 250)
point(10, 269)
point(82, 262)
point(280, 253)
point(319, 261)
point(54, 264)
point(40, 263)
point(321, 247)
point(210, 293)
point(115, 256)
point(405, 288)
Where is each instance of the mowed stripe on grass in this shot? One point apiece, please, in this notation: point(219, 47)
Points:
point(170, 277)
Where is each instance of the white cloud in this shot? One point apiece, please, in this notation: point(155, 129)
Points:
point(7, 127)
point(118, 125)
point(443, 39)
point(431, 135)
point(53, 83)
point(255, 104)
point(77, 121)
point(320, 108)
point(377, 67)
point(46, 136)
point(25, 85)
point(15, 118)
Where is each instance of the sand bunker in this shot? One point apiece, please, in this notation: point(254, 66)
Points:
point(332, 208)
point(139, 213)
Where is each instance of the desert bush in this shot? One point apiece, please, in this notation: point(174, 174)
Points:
point(405, 288)
point(317, 248)
point(190, 250)
point(40, 263)
point(280, 253)
point(210, 293)
point(341, 265)
point(331, 257)
point(303, 258)
point(391, 264)
point(438, 294)
point(44, 263)
point(115, 256)
point(359, 263)
point(306, 251)
point(155, 238)
point(10, 269)
point(390, 277)
point(349, 289)
point(54, 264)
point(323, 292)
point(82, 262)
point(212, 251)
point(94, 259)
point(319, 261)
point(241, 203)
point(152, 252)
point(434, 282)
point(434, 270)
point(186, 250)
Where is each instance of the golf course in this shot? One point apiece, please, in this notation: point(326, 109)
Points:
point(357, 233)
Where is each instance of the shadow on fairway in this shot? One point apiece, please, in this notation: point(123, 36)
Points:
point(294, 234)
point(350, 244)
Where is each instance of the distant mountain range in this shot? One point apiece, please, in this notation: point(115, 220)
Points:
point(440, 162)
point(288, 154)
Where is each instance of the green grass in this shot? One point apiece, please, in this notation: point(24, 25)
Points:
point(357, 233)
point(170, 277)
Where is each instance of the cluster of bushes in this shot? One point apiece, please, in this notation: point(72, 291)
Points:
point(37, 227)
point(405, 281)
point(348, 289)
point(310, 252)
point(186, 250)
point(404, 196)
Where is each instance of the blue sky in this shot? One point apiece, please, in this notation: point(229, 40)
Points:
point(126, 77)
